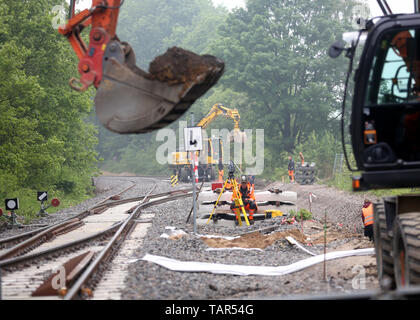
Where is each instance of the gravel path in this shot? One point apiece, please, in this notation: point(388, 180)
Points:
point(341, 206)
point(150, 281)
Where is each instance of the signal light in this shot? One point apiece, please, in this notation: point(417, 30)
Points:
point(1, 212)
point(12, 204)
point(356, 183)
point(55, 202)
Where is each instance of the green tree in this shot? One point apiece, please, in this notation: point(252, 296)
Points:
point(320, 148)
point(275, 52)
point(45, 140)
point(151, 27)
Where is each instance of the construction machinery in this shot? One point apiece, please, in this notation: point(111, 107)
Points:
point(385, 134)
point(305, 172)
point(211, 158)
point(128, 99)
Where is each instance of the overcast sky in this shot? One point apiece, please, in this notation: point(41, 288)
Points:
point(397, 6)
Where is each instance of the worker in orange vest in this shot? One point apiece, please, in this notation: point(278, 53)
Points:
point(367, 218)
point(248, 198)
point(221, 172)
point(302, 159)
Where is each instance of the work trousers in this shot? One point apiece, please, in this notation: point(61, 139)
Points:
point(249, 206)
point(292, 175)
point(369, 232)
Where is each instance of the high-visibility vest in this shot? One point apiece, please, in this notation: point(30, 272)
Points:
point(368, 215)
point(248, 193)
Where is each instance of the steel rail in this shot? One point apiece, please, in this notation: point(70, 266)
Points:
point(46, 233)
point(411, 292)
point(80, 215)
point(30, 256)
point(94, 265)
point(124, 228)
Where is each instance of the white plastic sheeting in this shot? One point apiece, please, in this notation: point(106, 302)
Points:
point(172, 232)
point(233, 248)
point(297, 244)
point(242, 270)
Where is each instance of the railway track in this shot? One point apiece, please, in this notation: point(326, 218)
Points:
point(100, 234)
point(9, 242)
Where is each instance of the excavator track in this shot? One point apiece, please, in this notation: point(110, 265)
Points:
point(383, 245)
point(406, 249)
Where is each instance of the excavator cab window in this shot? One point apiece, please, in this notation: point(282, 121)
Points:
point(391, 130)
point(385, 126)
point(392, 77)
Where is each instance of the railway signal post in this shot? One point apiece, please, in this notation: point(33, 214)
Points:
point(42, 196)
point(193, 142)
point(12, 205)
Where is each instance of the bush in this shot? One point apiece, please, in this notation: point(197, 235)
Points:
point(305, 214)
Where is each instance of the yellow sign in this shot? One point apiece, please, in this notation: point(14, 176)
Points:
point(174, 180)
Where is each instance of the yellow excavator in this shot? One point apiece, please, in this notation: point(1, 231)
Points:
point(181, 161)
point(128, 99)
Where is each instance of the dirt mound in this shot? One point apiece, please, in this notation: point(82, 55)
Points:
point(254, 240)
point(262, 241)
point(318, 238)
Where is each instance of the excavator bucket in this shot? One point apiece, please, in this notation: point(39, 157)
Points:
point(239, 136)
point(130, 100)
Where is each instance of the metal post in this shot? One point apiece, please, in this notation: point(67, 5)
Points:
point(325, 245)
point(335, 163)
point(193, 182)
point(341, 162)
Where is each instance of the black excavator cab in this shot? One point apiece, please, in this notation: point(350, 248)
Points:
point(385, 119)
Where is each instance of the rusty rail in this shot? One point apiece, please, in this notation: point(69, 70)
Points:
point(48, 232)
point(81, 215)
point(121, 233)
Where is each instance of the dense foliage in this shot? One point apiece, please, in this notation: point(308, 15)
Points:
point(276, 56)
point(277, 73)
point(45, 143)
point(151, 27)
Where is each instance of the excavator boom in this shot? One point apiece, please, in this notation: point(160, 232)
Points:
point(216, 110)
point(128, 99)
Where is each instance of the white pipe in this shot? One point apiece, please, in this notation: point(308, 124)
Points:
point(243, 270)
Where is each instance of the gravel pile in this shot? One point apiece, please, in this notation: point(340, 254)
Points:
point(341, 207)
point(150, 281)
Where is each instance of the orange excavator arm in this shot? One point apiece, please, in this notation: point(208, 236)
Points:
point(103, 16)
point(128, 99)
